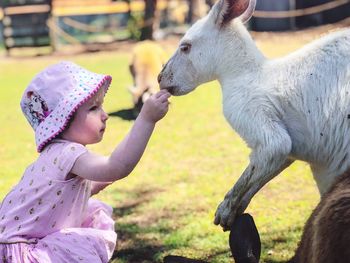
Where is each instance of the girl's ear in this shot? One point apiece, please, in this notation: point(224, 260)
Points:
point(226, 10)
point(29, 94)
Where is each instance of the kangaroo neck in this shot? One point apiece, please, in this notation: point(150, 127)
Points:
point(240, 56)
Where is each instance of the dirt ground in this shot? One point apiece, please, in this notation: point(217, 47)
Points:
point(274, 44)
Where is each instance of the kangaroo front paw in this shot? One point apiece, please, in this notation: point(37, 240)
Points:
point(225, 214)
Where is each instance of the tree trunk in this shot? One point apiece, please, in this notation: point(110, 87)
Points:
point(147, 29)
point(129, 9)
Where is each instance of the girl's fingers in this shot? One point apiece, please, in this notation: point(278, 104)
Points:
point(161, 92)
point(164, 97)
point(164, 101)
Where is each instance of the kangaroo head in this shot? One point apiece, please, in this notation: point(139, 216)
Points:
point(201, 52)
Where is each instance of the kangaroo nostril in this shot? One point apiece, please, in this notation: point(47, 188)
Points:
point(159, 77)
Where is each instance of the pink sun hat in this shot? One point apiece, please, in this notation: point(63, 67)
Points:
point(54, 95)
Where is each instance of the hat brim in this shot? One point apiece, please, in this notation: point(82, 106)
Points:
point(64, 111)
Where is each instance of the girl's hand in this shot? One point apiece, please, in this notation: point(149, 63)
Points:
point(155, 106)
point(128, 153)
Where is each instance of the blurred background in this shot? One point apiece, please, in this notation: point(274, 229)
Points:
point(167, 205)
point(100, 24)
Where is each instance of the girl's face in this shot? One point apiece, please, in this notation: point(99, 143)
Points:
point(89, 121)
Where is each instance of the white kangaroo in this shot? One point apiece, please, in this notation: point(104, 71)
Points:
point(292, 108)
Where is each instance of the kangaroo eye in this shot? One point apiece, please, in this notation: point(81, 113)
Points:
point(185, 47)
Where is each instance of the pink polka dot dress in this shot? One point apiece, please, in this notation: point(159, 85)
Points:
point(48, 218)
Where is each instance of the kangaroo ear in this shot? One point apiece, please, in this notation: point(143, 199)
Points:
point(226, 10)
point(249, 12)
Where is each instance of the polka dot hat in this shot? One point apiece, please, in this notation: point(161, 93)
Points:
point(55, 94)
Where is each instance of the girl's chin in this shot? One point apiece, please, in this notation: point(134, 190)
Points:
point(100, 138)
point(95, 140)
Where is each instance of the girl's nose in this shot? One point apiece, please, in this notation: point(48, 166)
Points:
point(104, 116)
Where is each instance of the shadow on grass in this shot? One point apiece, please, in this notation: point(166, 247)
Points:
point(140, 234)
point(179, 259)
point(282, 240)
point(132, 246)
point(125, 114)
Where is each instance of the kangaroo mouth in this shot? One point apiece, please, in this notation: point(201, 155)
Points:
point(170, 89)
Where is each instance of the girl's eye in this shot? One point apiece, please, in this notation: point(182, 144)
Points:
point(93, 108)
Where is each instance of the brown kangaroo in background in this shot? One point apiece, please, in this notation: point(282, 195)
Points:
point(326, 235)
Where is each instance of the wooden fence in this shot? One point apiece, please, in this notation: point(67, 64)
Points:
point(25, 24)
point(42, 22)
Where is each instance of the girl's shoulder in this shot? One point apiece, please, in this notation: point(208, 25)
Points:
point(60, 145)
point(60, 148)
point(59, 157)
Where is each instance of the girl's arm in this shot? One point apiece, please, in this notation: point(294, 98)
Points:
point(96, 187)
point(128, 153)
point(123, 159)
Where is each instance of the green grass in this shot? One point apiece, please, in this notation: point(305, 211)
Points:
point(167, 205)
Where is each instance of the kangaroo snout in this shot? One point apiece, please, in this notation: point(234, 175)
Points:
point(159, 78)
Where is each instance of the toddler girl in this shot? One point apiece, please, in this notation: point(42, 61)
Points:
point(49, 216)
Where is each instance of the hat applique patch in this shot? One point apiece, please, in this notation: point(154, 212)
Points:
point(36, 108)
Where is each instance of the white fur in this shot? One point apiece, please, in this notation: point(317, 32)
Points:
point(292, 108)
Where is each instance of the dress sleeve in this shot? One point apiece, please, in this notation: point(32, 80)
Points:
point(68, 156)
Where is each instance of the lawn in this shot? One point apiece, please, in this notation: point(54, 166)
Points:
point(167, 205)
